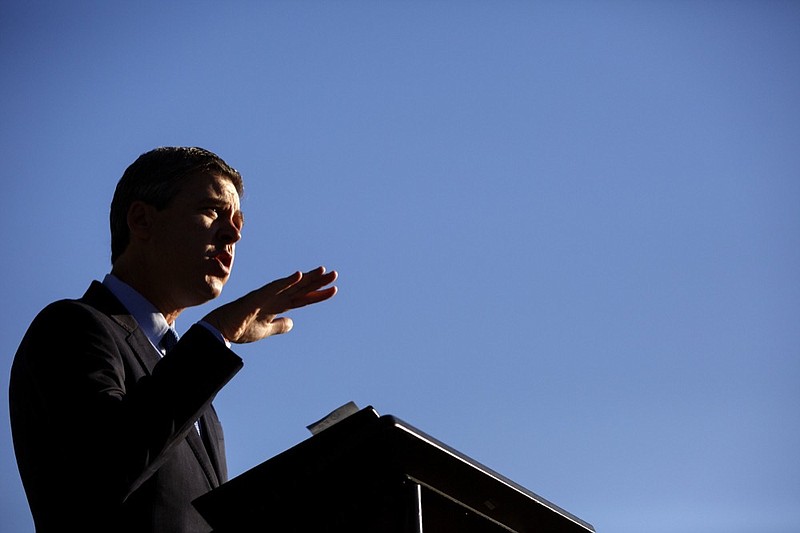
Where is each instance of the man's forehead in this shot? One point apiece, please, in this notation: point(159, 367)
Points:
point(213, 186)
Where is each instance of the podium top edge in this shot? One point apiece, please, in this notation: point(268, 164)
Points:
point(401, 425)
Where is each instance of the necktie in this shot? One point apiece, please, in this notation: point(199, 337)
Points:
point(168, 341)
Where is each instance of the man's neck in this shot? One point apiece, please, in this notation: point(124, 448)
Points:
point(147, 287)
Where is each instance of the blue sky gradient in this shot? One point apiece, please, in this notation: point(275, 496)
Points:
point(567, 232)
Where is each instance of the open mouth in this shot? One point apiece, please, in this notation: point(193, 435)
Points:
point(224, 259)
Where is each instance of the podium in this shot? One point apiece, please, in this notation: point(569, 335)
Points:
point(371, 473)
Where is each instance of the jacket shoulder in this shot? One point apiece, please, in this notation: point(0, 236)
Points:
point(68, 325)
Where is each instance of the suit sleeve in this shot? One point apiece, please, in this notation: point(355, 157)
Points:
point(181, 387)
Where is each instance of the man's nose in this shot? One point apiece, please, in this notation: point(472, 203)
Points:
point(230, 232)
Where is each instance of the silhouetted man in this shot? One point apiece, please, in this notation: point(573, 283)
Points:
point(111, 414)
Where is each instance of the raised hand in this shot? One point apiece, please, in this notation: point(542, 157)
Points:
point(254, 316)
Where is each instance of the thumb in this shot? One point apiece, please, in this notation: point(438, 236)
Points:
point(281, 325)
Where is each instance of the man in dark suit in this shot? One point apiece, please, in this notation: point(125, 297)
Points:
point(111, 414)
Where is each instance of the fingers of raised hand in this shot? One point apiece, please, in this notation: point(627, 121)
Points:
point(308, 289)
point(312, 291)
point(302, 300)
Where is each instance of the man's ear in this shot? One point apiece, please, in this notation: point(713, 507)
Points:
point(140, 220)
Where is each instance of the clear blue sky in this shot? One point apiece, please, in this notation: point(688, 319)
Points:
point(567, 232)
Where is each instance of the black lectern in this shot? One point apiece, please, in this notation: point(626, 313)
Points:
point(371, 473)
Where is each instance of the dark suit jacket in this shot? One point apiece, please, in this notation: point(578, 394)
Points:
point(103, 427)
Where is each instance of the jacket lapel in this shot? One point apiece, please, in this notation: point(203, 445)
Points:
point(102, 299)
point(215, 443)
point(211, 460)
point(200, 451)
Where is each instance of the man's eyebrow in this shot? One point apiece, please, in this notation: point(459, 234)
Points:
point(214, 199)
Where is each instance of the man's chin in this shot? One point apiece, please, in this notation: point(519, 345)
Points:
point(203, 294)
point(214, 286)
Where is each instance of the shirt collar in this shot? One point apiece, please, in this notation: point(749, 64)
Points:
point(150, 320)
